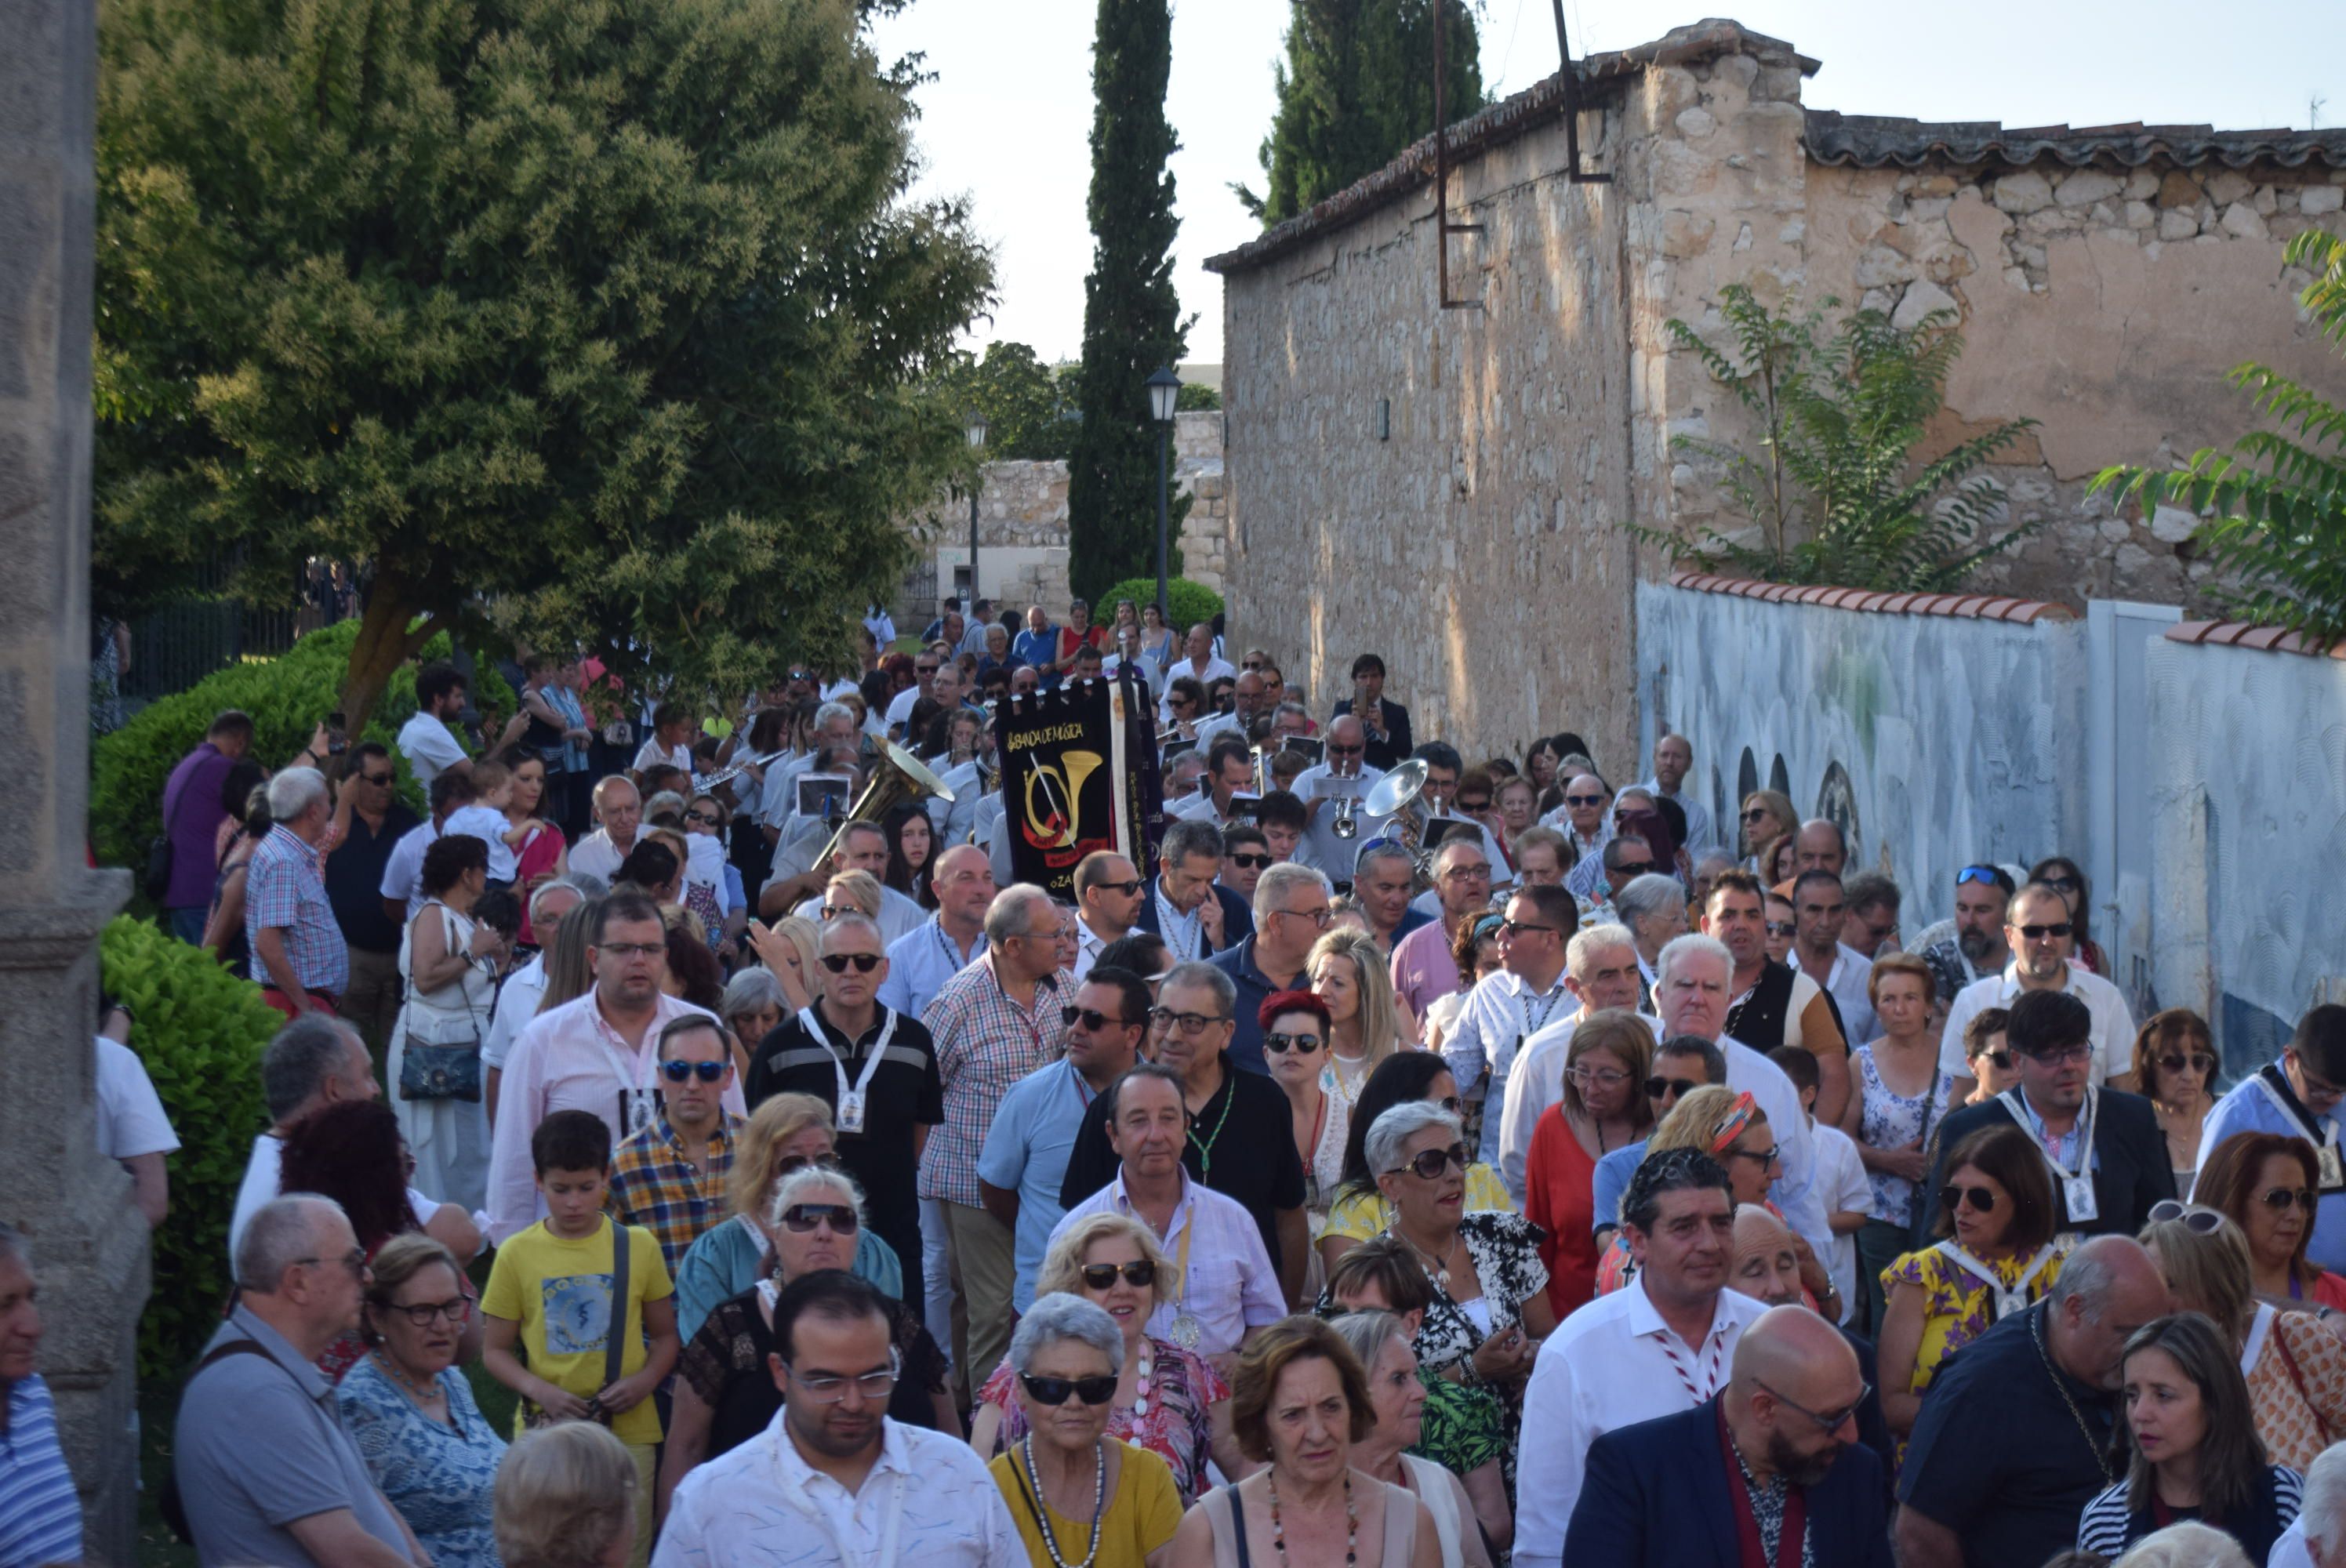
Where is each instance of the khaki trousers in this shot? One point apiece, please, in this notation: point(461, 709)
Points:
point(985, 1263)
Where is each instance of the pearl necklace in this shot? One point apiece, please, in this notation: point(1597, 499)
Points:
point(1025, 1452)
point(1279, 1533)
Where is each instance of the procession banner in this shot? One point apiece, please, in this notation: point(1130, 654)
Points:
point(1079, 774)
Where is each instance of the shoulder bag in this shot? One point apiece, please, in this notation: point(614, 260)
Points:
point(447, 1069)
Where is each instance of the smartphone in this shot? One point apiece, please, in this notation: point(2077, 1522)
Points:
point(336, 741)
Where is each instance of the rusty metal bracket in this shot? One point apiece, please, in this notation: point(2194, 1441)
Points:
point(1571, 85)
point(1443, 227)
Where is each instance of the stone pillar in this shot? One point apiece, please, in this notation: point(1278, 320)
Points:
point(89, 1245)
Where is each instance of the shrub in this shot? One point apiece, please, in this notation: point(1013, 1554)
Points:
point(200, 1031)
point(287, 697)
point(1187, 602)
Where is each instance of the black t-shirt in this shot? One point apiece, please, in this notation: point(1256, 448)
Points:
point(1998, 1455)
point(905, 1093)
point(354, 881)
point(1241, 1145)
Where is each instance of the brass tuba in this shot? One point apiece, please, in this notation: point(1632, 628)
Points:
point(1393, 797)
point(898, 778)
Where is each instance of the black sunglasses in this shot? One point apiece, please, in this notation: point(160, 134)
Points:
point(1638, 870)
point(864, 962)
point(1092, 1018)
point(2000, 1059)
point(1096, 1391)
point(2305, 1198)
point(1517, 927)
point(2039, 932)
point(1782, 928)
point(1681, 1087)
point(1102, 1275)
point(374, 777)
point(1431, 1163)
point(1980, 1198)
point(1583, 800)
point(705, 818)
point(1301, 1045)
point(2198, 1060)
point(1127, 888)
point(707, 1071)
point(803, 1218)
point(1252, 862)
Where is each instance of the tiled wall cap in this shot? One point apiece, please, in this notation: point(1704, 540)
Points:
point(1980, 606)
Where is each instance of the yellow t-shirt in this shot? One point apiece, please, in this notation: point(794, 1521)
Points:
point(559, 1291)
point(1364, 1214)
point(1141, 1514)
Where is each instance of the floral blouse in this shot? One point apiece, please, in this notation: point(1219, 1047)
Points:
point(437, 1474)
point(1178, 1427)
point(1892, 1121)
point(1957, 1307)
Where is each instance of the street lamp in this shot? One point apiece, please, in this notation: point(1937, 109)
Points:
point(1164, 392)
point(976, 434)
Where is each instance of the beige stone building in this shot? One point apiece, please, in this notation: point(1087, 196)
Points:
point(1447, 485)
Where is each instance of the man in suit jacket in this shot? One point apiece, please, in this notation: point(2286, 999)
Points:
point(1195, 915)
point(2124, 1170)
point(1777, 1449)
point(1386, 723)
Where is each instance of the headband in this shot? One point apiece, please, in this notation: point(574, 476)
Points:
point(1731, 1126)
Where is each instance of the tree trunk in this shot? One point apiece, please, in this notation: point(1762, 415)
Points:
point(389, 633)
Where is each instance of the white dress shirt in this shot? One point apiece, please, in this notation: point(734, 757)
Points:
point(1606, 1367)
point(1227, 1283)
point(919, 962)
point(518, 1003)
point(1501, 1011)
point(1216, 668)
point(929, 1499)
point(595, 855)
point(403, 870)
point(131, 1117)
point(2113, 1027)
point(1534, 1083)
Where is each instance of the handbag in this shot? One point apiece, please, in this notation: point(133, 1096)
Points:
point(2289, 1364)
point(615, 1342)
point(440, 1069)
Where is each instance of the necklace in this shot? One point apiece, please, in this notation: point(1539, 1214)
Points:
point(1041, 1519)
point(1352, 1520)
point(1205, 1145)
point(2036, 1332)
point(1436, 1269)
point(423, 1394)
point(1142, 1377)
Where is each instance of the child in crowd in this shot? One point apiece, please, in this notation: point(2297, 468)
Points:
point(1848, 1196)
point(551, 1293)
point(485, 820)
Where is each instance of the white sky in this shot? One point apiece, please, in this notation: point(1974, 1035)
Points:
point(1009, 117)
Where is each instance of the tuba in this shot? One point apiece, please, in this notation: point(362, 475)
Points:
point(898, 778)
point(1393, 797)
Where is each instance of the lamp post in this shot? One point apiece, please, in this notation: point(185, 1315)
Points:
point(976, 434)
point(1164, 392)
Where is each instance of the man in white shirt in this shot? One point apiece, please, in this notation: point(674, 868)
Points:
point(1663, 1344)
point(1673, 761)
point(2038, 931)
point(1107, 900)
point(1229, 773)
point(833, 1483)
point(426, 739)
point(863, 847)
point(1600, 970)
point(525, 988)
point(1199, 662)
point(132, 1128)
point(1249, 701)
point(1820, 911)
point(881, 626)
point(1344, 773)
point(619, 809)
point(925, 665)
point(1507, 1008)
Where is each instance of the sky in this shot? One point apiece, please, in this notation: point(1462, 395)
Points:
point(1007, 118)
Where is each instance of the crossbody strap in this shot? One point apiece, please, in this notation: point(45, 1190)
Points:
point(615, 1348)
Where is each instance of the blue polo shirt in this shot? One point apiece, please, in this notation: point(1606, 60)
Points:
point(1255, 988)
point(1027, 1151)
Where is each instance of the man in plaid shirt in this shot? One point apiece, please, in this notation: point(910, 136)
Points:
point(993, 1024)
point(288, 921)
point(668, 1176)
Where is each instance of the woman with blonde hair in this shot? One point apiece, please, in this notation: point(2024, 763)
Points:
point(568, 976)
point(789, 949)
point(855, 893)
point(1365, 1020)
point(1768, 814)
point(566, 1498)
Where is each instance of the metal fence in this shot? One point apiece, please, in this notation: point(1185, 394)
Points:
point(179, 643)
point(915, 604)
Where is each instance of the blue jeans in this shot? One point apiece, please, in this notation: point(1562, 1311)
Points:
point(188, 924)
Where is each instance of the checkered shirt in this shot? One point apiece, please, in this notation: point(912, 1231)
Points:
point(985, 1043)
point(282, 888)
point(655, 1185)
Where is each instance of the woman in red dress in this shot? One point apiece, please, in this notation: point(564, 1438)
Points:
point(1604, 1108)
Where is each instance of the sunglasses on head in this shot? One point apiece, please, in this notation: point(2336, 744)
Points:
point(864, 962)
point(1101, 1275)
point(2200, 1061)
point(2198, 1220)
point(1984, 876)
point(1053, 1391)
point(2039, 932)
point(707, 1071)
point(1951, 1197)
point(2305, 1198)
point(1091, 1017)
point(1679, 1087)
point(1301, 1045)
point(1431, 1163)
point(1250, 861)
point(801, 1218)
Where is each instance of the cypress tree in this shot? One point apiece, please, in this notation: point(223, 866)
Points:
point(1132, 323)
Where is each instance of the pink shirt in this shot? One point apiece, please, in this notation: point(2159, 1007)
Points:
point(568, 1058)
point(1423, 972)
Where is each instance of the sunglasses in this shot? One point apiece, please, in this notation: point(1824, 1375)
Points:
point(707, 1071)
point(1102, 1275)
point(1637, 870)
point(1250, 862)
point(1301, 1045)
point(2198, 1220)
point(1766, 1156)
point(2064, 884)
point(1053, 1391)
point(1517, 927)
point(2198, 1061)
point(1952, 1197)
point(374, 777)
point(1676, 1088)
point(1583, 800)
point(1189, 1024)
point(1431, 1163)
point(1482, 804)
point(801, 1218)
point(1127, 888)
point(1254, 664)
point(1092, 1018)
point(2282, 1196)
point(705, 818)
point(2000, 1059)
point(1756, 814)
point(1335, 750)
point(1984, 876)
point(925, 668)
point(1830, 1420)
point(2039, 932)
point(837, 962)
point(1782, 928)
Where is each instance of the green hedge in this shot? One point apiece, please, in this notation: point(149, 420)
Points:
point(200, 1031)
point(287, 697)
point(1187, 602)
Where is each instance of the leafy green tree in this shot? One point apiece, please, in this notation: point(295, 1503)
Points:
point(2279, 496)
point(1027, 413)
point(1355, 89)
point(1832, 484)
point(1132, 324)
point(608, 315)
point(1196, 397)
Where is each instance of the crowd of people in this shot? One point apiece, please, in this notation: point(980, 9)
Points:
point(1541, 1169)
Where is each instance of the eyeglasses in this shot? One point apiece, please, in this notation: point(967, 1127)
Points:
point(1141, 1271)
point(864, 962)
point(1318, 917)
point(1599, 1078)
point(1301, 1045)
point(801, 1218)
point(1677, 1088)
point(2000, 1059)
point(2278, 1198)
point(1517, 927)
point(423, 1314)
point(1639, 869)
point(1127, 888)
point(1983, 876)
point(1766, 1156)
point(1782, 928)
point(1830, 1420)
point(2198, 1061)
point(705, 818)
point(1583, 800)
point(377, 779)
point(789, 1163)
point(2054, 1055)
point(356, 1260)
point(1248, 860)
point(2039, 932)
point(1190, 1023)
point(1952, 1197)
point(2062, 884)
point(1096, 1391)
point(1092, 1018)
point(2198, 1220)
point(1431, 1163)
point(1467, 874)
point(1754, 813)
point(707, 1071)
point(633, 949)
point(826, 1388)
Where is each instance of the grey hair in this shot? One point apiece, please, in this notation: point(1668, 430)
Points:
point(1281, 880)
point(293, 791)
point(831, 710)
point(299, 1059)
point(1186, 836)
point(795, 1185)
point(1580, 953)
point(567, 883)
point(280, 1233)
point(1397, 1126)
point(13, 1248)
point(856, 921)
point(1383, 850)
point(2186, 1543)
point(1694, 944)
point(664, 801)
point(2323, 1509)
point(1059, 1316)
point(1197, 971)
point(1447, 856)
point(752, 988)
point(1292, 708)
point(1711, 857)
point(2086, 1275)
point(1368, 1332)
point(1008, 915)
point(1652, 893)
point(611, 784)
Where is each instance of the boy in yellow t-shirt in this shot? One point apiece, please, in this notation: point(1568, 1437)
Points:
point(550, 1292)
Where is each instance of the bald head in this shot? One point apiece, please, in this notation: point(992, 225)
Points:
point(1766, 1264)
point(1792, 1397)
point(1820, 848)
point(1785, 1345)
point(2108, 1288)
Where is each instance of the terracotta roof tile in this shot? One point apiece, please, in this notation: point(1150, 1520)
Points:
point(1868, 141)
point(1984, 606)
point(2189, 631)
